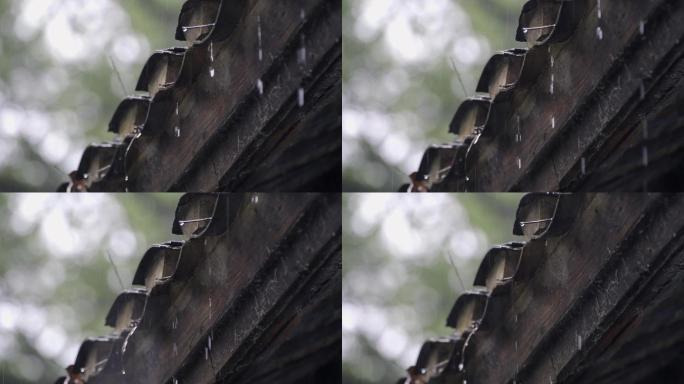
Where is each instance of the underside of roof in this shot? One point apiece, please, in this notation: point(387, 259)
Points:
point(593, 104)
point(252, 103)
point(252, 295)
point(594, 295)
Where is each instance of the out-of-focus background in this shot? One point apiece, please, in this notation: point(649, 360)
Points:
point(401, 68)
point(398, 281)
point(58, 88)
point(56, 280)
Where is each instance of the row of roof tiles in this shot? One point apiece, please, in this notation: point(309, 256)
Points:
point(540, 216)
point(197, 216)
point(541, 23)
point(165, 75)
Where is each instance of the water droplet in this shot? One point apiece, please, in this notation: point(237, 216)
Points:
point(599, 33)
point(212, 71)
point(579, 341)
point(177, 131)
point(552, 61)
point(598, 9)
point(642, 90)
point(519, 163)
point(261, 52)
point(211, 51)
point(584, 165)
point(209, 342)
point(644, 156)
point(301, 52)
point(516, 345)
point(300, 97)
point(206, 353)
point(552, 81)
point(185, 29)
point(553, 123)
point(642, 27)
point(260, 87)
point(123, 371)
point(175, 349)
point(460, 367)
point(177, 108)
point(302, 14)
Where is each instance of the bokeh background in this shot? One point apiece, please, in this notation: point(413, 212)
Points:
point(58, 88)
point(407, 65)
point(403, 255)
point(56, 280)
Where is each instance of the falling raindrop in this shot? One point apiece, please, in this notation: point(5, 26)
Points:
point(206, 353)
point(516, 345)
point(212, 72)
point(175, 349)
point(519, 163)
point(177, 131)
point(301, 53)
point(210, 308)
point(642, 27)
point(599, 33)
point(642, 90)
point(644, 156)
point(261, 51)
point(584, 165)
point(460, 366)
point(260, 87)
point(300, 97)
point(209, 342)
point(552, 81)
point(553, 122)
point(302, 14)
point(579, 341)
point(598, 7)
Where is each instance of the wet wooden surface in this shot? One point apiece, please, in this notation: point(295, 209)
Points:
point(259, 292)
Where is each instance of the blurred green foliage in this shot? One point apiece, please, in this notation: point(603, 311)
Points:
point(399, 283)
point(395, 107)
point(52, 107)
point(56, 280)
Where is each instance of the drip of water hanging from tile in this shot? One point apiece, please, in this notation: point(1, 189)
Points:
point(176, 129)
point(212, 71)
